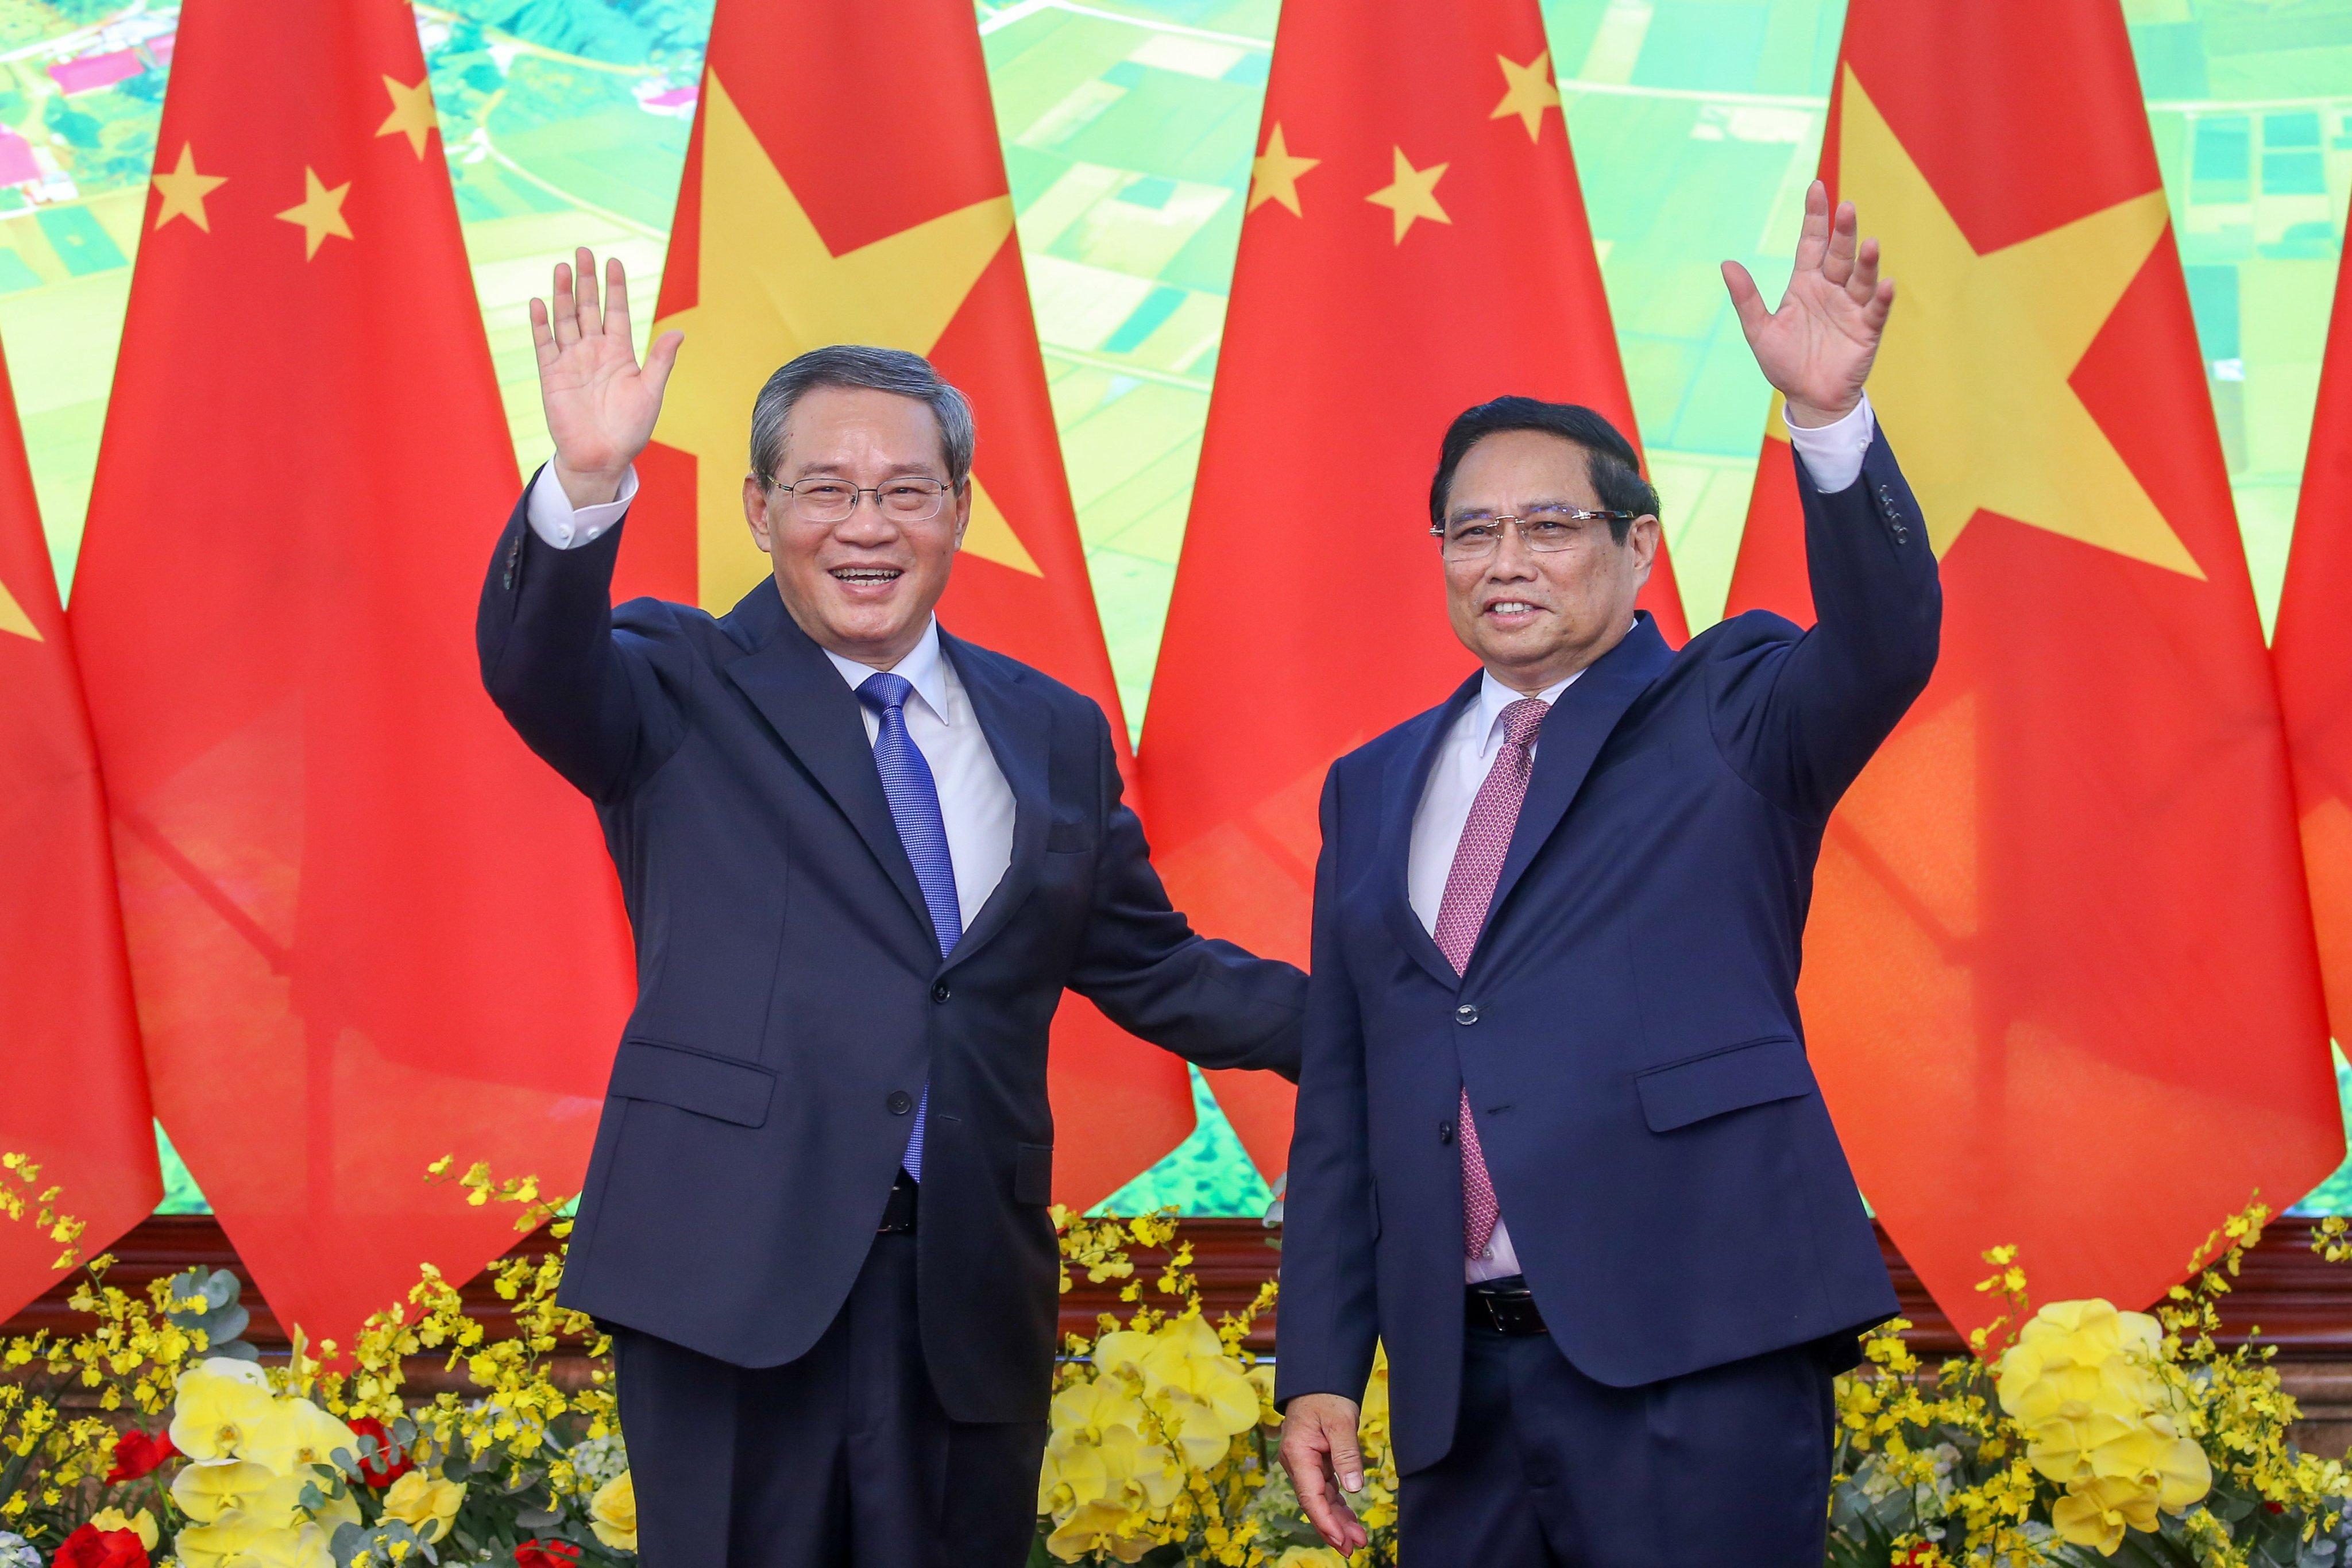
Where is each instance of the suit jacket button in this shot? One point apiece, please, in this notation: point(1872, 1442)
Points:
point(1445, 1132)
point(510, 580)
point(1465, 1014)
point(940, 993)
point(900, 1103)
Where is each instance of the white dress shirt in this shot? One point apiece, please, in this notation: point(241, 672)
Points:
point(975, 801)
point(1465, 754)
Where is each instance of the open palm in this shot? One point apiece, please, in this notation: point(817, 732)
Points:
point(601, 403)
point(1817, 348)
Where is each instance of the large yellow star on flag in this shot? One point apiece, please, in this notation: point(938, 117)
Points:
point(412, 112)
point(1527, 91)
point(1412, 194)
point(319, 213)
point(1974, 373)
point(13, 621)
point(769, 290)
point(183, 190)
point(1273, 175)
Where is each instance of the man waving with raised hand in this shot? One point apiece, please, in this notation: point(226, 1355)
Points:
point(862, 858)
point(1559, 1146)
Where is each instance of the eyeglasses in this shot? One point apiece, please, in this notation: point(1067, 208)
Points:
point(911, 499)
point(1476, 535)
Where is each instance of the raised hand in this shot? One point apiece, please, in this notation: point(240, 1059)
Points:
point(1817, 348)
point(601, 403)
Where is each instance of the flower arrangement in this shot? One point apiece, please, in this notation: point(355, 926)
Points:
point(1160, 1446)
point(193, 1453)
point(2072, 1434)
point(2078, 1434)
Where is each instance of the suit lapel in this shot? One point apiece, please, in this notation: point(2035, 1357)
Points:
point(1019, 730)
point(813, 711)
point(1408, 777)
point(1573, 733)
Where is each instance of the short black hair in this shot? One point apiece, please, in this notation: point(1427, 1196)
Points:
point(1616, 471)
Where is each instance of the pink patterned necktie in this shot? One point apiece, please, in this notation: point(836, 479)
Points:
point(1462, 914)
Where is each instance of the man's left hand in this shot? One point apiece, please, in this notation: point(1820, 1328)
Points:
point(1817, 348)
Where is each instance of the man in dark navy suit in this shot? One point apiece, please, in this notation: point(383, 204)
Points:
point(862, 858)
point(1558, 1145)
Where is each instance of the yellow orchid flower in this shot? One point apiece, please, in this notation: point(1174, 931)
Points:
point(295, 1434)
point(613, 1513)
point(2095, 1514)
point(228, 1545)
point(207, 1493)
point(2155, 1455)
point(1099, 1526)
point(2061, 1447)
point(425, 1502)
point(140, 1524)
point(1310, 1557)
point(220, 1405)
point(1094, 1405)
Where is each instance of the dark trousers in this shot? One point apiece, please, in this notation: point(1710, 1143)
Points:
point(1549, 1468)
point(840, 1459)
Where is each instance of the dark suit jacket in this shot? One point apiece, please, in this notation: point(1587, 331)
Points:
point(1628, 1025)
point(792, 1000)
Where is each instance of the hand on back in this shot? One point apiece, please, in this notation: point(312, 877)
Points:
point(601, 403)
point(1817, 347)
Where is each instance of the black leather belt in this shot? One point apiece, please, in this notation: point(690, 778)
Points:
point(899, 1213)
point(1503, 1307)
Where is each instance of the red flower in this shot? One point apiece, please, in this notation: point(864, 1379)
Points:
point(390, 1463)
point(136, 1452)
point(90, 1547)
point(544, 1554)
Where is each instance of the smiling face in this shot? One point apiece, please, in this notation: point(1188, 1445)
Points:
point(862, 588)
point(1533, 617)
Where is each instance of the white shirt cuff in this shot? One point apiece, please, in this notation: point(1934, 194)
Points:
point(559, 526)
point(1833, 452)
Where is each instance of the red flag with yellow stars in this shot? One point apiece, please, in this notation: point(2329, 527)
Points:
point(2059, 982)
point(76, 1091)
point(366, 927)
point(1415, 243)
point(806, 218)
point(2312, 651)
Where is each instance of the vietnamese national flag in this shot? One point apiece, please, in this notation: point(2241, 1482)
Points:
point(366, 926)
point(812, 211)
point(1415, 243)
point(76, 1100)
point(2059, 981)
point(2312, 651)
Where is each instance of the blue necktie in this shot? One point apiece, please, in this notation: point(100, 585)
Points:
point(914, 798)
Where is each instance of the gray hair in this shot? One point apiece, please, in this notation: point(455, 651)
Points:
point(872, 369)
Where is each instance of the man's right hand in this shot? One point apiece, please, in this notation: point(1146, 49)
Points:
point(1319, 1450)
point(601, 405)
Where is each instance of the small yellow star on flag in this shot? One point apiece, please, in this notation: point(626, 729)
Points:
point(1273, 175)
point(1412, 194)
point(412, 112)
point(13, 618)
point(183, 190)
point(321, 213)
point(1527, 91)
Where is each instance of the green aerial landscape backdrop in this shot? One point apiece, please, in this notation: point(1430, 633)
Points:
point(1127, 128)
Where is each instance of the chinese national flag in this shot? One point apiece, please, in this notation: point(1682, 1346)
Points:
point(807, 215)
point(2059, 982)
point(2312, 650)
point(1415, 243)
point(366, 926)
point(76, 1091)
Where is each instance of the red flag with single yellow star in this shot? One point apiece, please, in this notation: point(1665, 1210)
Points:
point(1415, 243)
point(804, 218)
point(2059, 979)
point(2312, 651)
point(366, 927)
point(77, 1090)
